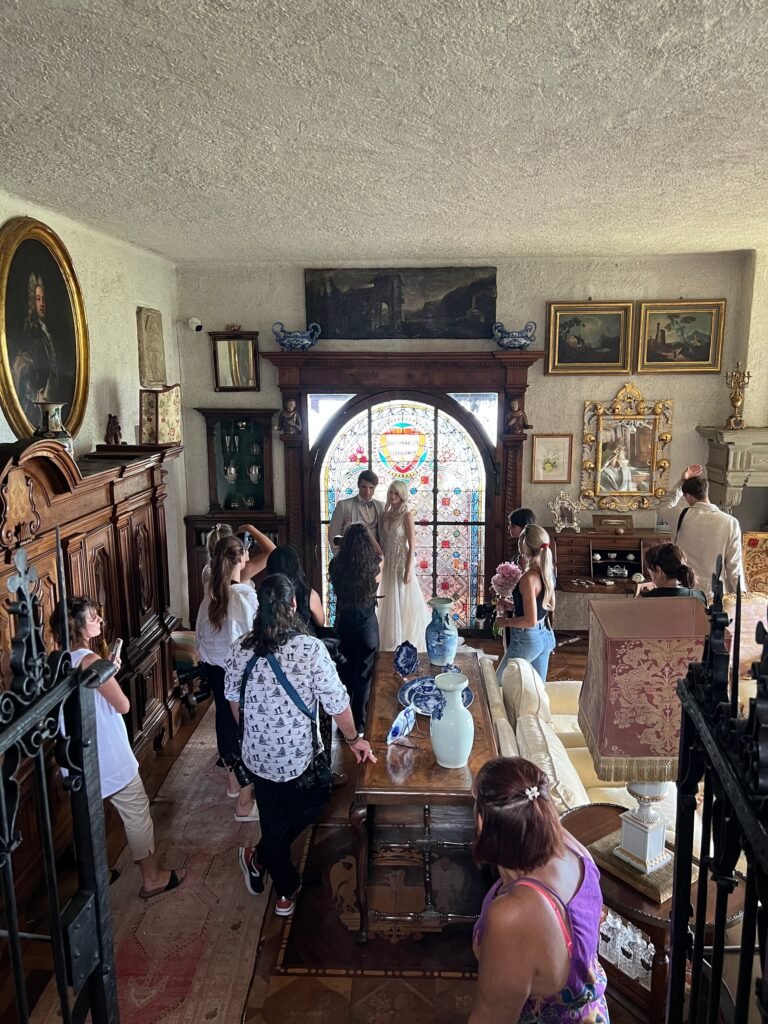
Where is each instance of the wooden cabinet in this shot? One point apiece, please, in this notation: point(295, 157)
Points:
point(109, 510)
point(239, 443)
point(584, 560)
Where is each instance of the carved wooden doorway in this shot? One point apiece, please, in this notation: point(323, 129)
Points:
point(440, 452)
point(366, 378)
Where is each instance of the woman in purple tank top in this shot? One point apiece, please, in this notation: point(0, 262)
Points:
point(537, 935)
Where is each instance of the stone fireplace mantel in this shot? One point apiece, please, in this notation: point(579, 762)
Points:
point(737, 459)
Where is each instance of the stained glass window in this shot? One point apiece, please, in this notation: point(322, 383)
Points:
point(484, 406)
point(440, 463)
point(321, 410)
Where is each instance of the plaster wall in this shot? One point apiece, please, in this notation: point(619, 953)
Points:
point(115, 278)
point(255, 297)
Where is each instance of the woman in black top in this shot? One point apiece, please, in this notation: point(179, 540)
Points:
point(309, 607)
point(670, 576)
point(354, 574)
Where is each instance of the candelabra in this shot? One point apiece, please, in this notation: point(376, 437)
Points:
point(736, 381)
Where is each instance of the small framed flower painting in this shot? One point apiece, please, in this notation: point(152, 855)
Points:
point(551, 458)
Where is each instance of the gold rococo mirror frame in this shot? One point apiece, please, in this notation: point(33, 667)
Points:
point(625, 454)
point(57, 344)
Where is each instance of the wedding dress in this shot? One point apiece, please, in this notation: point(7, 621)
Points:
point(403, 613)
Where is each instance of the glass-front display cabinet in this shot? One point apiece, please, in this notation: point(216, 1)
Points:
point(239, 458)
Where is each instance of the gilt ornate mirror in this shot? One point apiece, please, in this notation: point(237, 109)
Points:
point(625, 453)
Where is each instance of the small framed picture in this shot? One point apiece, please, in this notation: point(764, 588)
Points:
point(681, 337)
point(589, 337)
point(551, 458)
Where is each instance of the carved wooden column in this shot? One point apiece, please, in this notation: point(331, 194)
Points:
point(514, 426)
point(295, 513)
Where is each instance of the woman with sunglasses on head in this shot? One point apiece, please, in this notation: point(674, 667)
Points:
point(225, 614)
point(531, 634)
point(278, 675)
point(257, 544)
point(537, 936)
point(118, 768)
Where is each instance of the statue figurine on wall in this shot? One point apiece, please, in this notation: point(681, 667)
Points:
point(289, 421)
point(114, 435)
point(516, 421)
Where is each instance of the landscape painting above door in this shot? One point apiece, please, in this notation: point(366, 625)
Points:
point(402, 302)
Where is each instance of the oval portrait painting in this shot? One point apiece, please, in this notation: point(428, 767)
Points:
point(43, 331)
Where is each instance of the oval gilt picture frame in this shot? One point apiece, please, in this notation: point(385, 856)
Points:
point(44, 351)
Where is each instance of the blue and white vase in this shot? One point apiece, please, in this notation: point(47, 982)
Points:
point(451, 727)
point(442, 637)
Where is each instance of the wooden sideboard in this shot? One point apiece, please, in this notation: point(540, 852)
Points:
point(110, 511)
point(587, 556)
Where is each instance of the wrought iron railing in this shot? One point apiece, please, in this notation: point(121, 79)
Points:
point(727, 752)
point(44, 692)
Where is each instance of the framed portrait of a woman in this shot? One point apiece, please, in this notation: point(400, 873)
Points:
point(44, 352)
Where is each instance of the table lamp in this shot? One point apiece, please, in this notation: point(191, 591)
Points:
point(629, 711)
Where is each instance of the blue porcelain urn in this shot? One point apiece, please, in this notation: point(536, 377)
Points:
point(442, 637)
point(296, 341)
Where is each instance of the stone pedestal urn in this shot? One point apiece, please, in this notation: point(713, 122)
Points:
point(451, 728)
point(442, 637)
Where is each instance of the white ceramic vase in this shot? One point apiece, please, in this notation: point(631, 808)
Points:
point(451, 728)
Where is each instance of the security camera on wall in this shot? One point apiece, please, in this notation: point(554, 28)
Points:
point(194, 324)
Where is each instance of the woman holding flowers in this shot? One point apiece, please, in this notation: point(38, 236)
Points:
point(533, 601)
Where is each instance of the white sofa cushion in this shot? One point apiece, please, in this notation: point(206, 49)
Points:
point(505, 736)
point(539, 743)
point(492, 689)
point(524, 692)
point(567, 728)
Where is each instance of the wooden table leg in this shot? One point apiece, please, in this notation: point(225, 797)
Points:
point(358, 819)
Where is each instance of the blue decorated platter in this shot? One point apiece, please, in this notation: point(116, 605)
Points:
point(406, 660)
point(425, 696)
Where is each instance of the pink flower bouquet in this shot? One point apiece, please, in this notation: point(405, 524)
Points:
point(506, 579)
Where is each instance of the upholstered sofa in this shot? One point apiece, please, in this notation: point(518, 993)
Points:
point(540, 723)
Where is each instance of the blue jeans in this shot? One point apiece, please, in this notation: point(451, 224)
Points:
point(534, 644)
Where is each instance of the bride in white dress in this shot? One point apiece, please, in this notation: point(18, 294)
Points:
point(403, 613)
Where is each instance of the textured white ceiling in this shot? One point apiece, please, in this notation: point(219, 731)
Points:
point(343, 131)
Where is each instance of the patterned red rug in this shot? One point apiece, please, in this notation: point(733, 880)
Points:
point(186, 956)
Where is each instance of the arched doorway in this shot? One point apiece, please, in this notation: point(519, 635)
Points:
point(445, 460)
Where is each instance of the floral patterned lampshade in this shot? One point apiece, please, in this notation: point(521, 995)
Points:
point(629, 710)
point(160, 415)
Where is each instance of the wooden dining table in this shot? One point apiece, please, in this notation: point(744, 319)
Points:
point(407, 774)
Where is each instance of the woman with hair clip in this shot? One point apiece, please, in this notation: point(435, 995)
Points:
point(670, 576)
point(403, 613)
point(257, 557)
point(278, 674)
point(546, 906)
point(118, 769)
point(354, 575)
point(225, 614)
point(532, 636)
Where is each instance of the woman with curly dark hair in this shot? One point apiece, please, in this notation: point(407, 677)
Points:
point(354, 574)
point(279, 675)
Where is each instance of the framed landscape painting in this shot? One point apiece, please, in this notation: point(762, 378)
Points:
point(551, 459)
point(402, 302)
point(588, 337)
point(681, 337)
